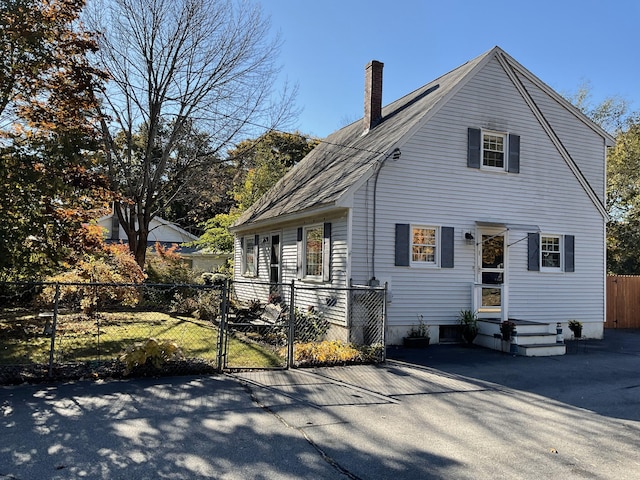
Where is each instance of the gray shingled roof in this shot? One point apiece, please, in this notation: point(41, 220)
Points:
point(325, 175)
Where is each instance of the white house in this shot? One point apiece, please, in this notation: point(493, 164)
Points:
point(167, 234)
point(483, 190)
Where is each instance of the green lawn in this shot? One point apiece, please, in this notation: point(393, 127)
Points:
point(80, 338)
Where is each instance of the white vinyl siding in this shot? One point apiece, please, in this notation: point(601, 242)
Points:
point(329, 301)
point(585, 147)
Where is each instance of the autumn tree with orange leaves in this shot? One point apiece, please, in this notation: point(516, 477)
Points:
point(48, 138)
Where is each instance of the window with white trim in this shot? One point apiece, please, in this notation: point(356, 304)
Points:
point(493, 150)
point(249, 260)
point(424, 245)
point(550, 252)
point(313, 258)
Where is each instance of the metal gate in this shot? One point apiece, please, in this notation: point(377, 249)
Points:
point(249, 341)
point(300, 324)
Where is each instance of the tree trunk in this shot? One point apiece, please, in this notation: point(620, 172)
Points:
point(140, 252)
point(137, 231)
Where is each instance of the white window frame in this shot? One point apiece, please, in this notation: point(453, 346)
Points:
point(305, 275)
point(245, 254)
point(505, 150)
point(437, 246)
point(560, 252)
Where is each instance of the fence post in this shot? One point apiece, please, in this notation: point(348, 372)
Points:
point(54, 324)
point(222, 329)
point(292, 323)
point(383, 327)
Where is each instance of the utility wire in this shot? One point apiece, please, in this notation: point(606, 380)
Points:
point(306, 137)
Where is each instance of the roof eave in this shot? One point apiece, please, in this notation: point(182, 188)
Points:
point(608, 138)
point(286, 218)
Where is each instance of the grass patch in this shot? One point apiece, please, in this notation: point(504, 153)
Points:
point(243, 352)
point(103, 337)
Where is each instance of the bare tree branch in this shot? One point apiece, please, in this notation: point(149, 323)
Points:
point(180, 68)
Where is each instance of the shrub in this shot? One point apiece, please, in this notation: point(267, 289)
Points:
point(115, 265)
point(204, 304)
point(310, 326)
point(210, 278)
point(208, 307)
point(327, 352)
point(165, 265)
point(150, 352)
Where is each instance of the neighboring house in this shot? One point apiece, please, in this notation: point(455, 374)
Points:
point(167, 234)
point(482, 190)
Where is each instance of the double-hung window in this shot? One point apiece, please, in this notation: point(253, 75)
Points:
point(314, 252)
point(249, 256)
point(550, 253)
point(493, 150)
point(424, 245)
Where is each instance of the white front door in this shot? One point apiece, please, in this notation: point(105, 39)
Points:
point(491, 273)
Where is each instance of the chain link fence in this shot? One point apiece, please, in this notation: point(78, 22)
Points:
point(97, 330)
point(301, 324)
point(107, 330)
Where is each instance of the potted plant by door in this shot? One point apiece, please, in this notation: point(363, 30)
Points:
point(469, 323)
point(576, 327)
point(506, 329)
point(418, 336)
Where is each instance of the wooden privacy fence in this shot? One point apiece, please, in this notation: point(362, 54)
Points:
point(623, 301)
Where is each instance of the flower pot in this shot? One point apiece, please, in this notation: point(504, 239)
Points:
point(577, 332)
point(469, 334)
point(415, 342)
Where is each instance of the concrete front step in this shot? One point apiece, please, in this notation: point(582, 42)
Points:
point(542, 350)
point(490, 326)
point(536, 338)
point(533, 339)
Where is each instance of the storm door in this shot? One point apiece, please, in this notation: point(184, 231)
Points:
point(491, 301)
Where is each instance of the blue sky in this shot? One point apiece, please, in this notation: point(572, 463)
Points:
point(327, 43)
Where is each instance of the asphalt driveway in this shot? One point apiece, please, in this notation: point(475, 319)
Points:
point(445, 412)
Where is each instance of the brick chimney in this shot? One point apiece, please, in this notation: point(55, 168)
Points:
point(372, 94)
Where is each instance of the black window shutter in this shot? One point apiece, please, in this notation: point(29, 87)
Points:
point(299, 272)
point(326, 252)
point(473, 148)
point(569, 253)
point(403, 245)
point(446, 240)
point(534, 252)
point(513, 162)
